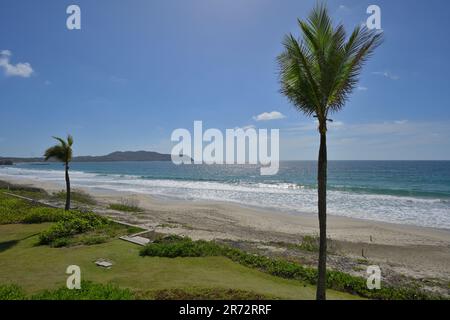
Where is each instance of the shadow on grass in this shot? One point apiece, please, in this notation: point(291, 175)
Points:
point(6, 245)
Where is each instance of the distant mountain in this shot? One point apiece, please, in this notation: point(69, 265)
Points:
point(126, 156)
point(115, 156)
point(5, 162)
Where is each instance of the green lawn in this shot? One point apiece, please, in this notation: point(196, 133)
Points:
point(35, 268)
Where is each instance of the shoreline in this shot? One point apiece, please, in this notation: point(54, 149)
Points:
point(400, 250)
point(309, 220)
point(373, 204)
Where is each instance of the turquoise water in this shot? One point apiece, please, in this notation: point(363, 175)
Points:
point(412, 192)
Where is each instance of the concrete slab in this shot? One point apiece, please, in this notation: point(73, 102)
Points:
point(103, 263)
point(136, 240)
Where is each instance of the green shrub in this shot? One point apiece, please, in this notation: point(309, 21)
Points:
point(44, 214)
point(14, 210)
point(11, 292)
point(182, 248)
point(88, 291)
point(71, 224)
point(90, 240)
point(203, 294)
point(60, 242)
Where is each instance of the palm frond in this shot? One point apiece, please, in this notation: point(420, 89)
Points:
point(319, 71)
point(56, 152)
point(62, 151)
point(70, 140)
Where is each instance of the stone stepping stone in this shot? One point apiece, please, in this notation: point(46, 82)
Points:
point(103, 263)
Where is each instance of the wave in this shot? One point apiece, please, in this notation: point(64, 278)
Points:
point(277, 195)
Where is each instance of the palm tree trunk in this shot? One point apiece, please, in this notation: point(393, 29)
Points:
point(67, 188)
point(322, 204)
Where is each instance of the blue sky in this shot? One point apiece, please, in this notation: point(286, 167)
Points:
point(139, 69)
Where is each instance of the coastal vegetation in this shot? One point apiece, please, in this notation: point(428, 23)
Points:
point(109, 291)
point(317, 75)
point(174, 246)
point(25, 224)
point(127, 205)
point(69, 228)
point(62, 152)
point(76, 196)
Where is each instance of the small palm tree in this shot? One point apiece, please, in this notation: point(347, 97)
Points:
point(62, 152)
point(317, 75)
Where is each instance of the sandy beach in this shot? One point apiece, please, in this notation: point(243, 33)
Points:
point(403, 252)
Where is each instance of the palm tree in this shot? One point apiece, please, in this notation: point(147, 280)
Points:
point(62, 152)
point(317, 74)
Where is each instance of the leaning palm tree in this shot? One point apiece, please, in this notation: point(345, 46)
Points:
point(62, 152)
point(317, 74)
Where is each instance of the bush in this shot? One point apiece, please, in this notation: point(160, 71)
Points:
point(90, 240)
point(182, 248)
point(71, 224)
point(205, 294)
point(11, 292)
point(43, 214)
point(14, 210)
point(88, 291)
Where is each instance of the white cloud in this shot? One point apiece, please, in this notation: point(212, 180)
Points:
point(21, 69)
point(387, 74)
point(361, 88)
point(267, 116)
point(343, 8)
point(250, 126)
point(401, 121)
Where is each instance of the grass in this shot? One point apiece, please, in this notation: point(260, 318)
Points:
point(184, 247)
point(69, 228)
point(125, 208)
point(127, 205)
point(203, 294)
point(310, 243)
point(36, 268)
point(96, 291)
point(174, 260)
point(76, 196)
point(88, 291)
point(24, 191)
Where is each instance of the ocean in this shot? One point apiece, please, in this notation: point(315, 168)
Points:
point(407, 192)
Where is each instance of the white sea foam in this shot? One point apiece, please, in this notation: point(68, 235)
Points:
point(279, 196)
